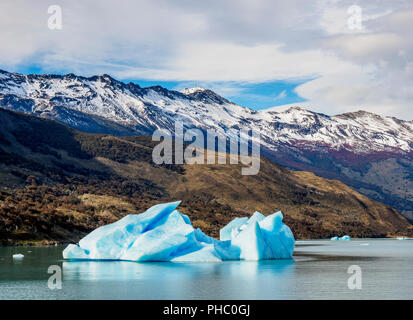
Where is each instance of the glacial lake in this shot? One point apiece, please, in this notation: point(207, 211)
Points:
point(318, 271)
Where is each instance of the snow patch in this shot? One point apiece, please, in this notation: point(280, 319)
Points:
point(192, 90)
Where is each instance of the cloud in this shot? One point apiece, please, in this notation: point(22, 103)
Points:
point(281, 95)
point(229, 41)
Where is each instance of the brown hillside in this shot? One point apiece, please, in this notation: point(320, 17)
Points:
point(57, 184)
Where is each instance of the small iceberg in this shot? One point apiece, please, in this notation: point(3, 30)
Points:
point(345, 238)
point(403, 238)
point(162, 233)
point(18, 256)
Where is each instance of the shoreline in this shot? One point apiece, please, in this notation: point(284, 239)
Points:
point(53, 243)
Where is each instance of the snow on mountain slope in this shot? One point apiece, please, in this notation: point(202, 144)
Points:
point(189, 91)
point(147, 109)
point(359, 132)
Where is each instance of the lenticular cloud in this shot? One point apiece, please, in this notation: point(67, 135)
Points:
point(162, 233)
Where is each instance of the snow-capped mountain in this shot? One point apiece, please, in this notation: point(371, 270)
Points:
point(360, 148)
point(151, 108)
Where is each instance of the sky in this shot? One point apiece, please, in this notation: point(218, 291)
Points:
point(328, 56)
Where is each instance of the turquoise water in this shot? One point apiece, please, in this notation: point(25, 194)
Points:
point(318, 271)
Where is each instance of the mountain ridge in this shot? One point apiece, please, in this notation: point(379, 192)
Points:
point(370, 153)
point(59, 186)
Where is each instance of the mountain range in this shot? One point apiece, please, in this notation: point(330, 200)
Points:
point(57, 184)
point(368, 152)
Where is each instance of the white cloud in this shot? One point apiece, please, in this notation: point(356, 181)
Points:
point(231, 40)
point(281, 95)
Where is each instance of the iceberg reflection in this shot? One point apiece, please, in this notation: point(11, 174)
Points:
point(166, 280)
point(127, 270)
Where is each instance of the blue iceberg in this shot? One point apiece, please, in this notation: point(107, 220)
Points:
point(162, 233)
point(346, 238)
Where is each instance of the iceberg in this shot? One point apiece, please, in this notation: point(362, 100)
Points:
point(18, 256)
point(346, 238)
point(162, 233)
point(404, 238)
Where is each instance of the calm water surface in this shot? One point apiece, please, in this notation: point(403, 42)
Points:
point(318, 271)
